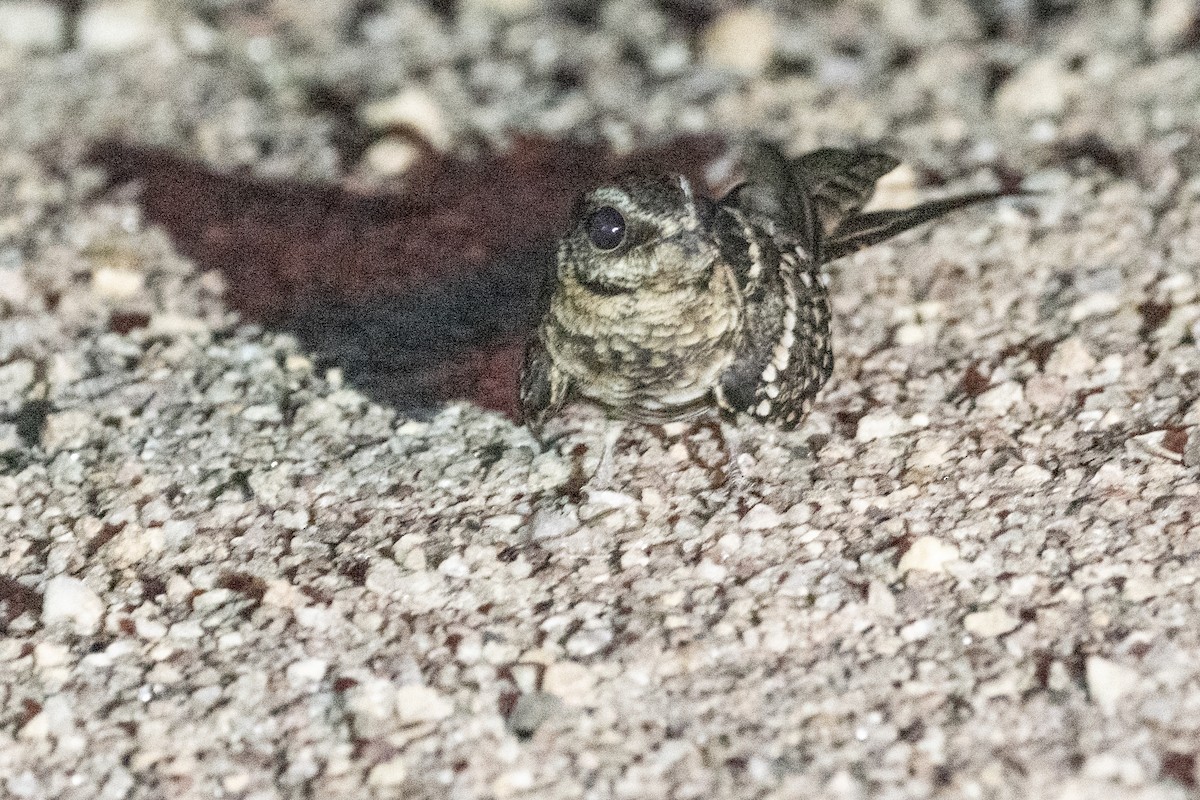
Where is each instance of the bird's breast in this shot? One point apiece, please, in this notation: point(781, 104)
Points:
point(644, 353)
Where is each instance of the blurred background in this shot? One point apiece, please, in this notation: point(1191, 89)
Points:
point(386, 179)
point(977, 574)
point(330, 88)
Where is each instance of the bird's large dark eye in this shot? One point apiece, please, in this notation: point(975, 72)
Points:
point(606, 228)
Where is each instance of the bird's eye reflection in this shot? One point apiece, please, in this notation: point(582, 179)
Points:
point(606, 228)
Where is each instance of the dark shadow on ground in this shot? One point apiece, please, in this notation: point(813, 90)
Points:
point(422, 295)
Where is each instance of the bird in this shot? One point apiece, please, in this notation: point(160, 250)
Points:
point(666, 305)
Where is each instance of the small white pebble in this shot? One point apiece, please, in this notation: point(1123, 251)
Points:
point(51, 654)
point(741, 39)
point(66, 430)
point(306, 672)
point(293, 520)
point(993, 622)
point(1045, 391)
point(411, 108)
point(453, 566)
point(1169, 23)
point(388, 773)
point(572, 683)
point(15, 379)
point(371, 707)
point(634, 557)
point(1094, 305)
point(588, 642)
point(729, 543)
point(118, 25)
point(506, 523)
point(895, 190)
point(1108, 682)
point(1033, 92)
point(917, 630)
point(264, 412)
point(1032, 474)
point(913, 333)
point(761, 518)
point(150, 628)
point(998, 400)
point(236, 783)
point(32, 25)
point(928, 554)
point(880, 598)
point(187, 630)
point(168, 324)
point(608, 499)
point(711, 571)
point(880, 425)
point(513, 783)
point(552, 524)
point(417, 703)
point(1023, 585)
point(1070, 359)
point(391, 156)
point(116, 283)
point(1138, 589)
point(497, 653)
point(71, 600)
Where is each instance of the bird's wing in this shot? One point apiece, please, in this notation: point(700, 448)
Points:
point(544, 388)
point(774, 195)
point(863, 230)
point(841, 181)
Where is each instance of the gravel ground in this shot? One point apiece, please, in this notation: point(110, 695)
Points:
point(225, 571)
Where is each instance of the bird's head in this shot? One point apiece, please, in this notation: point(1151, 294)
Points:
point(638, 234)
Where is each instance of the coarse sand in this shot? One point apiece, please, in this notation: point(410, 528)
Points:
point(228, 570)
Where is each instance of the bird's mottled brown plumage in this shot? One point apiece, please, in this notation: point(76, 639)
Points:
point(666, 305)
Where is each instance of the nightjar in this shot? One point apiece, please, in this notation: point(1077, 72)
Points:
point(667, 305)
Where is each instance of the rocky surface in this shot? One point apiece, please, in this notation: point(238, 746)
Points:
point(225, 571)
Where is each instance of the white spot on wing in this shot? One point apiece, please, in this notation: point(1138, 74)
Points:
point(783, 350)
point(780, 356)
point(686, 186)
point(789, 339)
point(690, 199)
point(752, 248)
